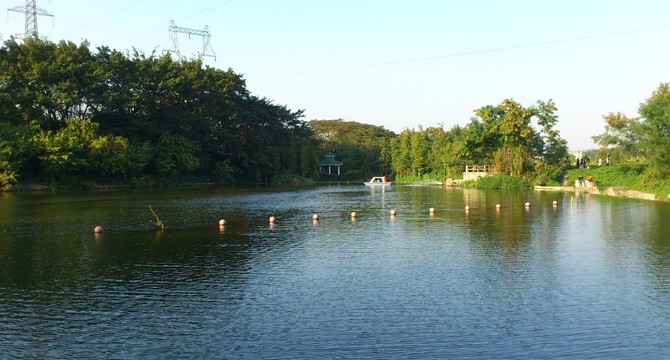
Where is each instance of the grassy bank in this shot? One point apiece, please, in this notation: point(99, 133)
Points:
point(500, 181)
point(633, 177)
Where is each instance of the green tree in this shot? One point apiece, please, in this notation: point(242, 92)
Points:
point(550, 146)
point(111, 156)
point(309, 165)
point(18, 152)
point(418, 152)
point(361, 147)
point(655, 128)
point(66, 151)
point(507, 133)
point(47, 82)
point(175, 155)
point(402, 154)
point(622, 137)
point(147, 114)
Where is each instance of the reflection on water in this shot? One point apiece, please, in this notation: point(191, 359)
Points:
point(589, 277)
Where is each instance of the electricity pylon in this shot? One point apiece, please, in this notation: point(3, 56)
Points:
point(32, 11)
point(207, 49)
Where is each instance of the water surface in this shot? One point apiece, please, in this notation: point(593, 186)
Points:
point(588, 278)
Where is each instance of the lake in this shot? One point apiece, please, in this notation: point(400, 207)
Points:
point(586, 278)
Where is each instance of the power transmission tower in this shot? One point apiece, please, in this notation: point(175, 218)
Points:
point(207, 49)
point(32, 11)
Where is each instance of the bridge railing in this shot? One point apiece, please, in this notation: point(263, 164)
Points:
point(478, 168)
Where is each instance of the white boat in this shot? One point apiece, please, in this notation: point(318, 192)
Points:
point(378, 181)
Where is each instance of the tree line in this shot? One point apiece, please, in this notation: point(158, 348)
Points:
point(69, 112)
point(513, 139)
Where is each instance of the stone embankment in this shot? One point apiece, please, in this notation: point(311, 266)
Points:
point(610, 191)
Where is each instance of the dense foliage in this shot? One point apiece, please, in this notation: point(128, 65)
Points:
point(641, 140)
point(364, 150)
point(499, 181)
point(515, 140)
point(66, 111)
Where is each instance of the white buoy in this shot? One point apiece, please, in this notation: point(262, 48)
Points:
point(555, 203)
point(98, 229)
point(272, 219)
point(431, 211)
point(527, 204)
point(353, 215)
point(315, 217)
point(222, 222)
point(393, 213)
point(467, 207)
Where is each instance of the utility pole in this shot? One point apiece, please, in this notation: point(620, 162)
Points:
point(32, 11)
point(207, 49)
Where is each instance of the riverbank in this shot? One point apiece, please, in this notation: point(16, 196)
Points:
point(620, 191)
point(89, 185)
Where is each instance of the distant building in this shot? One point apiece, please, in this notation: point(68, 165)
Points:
point(330, 165)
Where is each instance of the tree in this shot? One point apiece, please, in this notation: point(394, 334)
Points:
point(180, 117)
point(111, 156)
point(47, 82)
point(402, 154)
point(175, 155)
point(506, 131)
point(309, 165)
point(552, 148)
point(656, 129)
point(359, 146)
point(66, 151)
point(511, 159)
point(508, 123)
point(18, 152)
point(418, 152)
point(622, 136)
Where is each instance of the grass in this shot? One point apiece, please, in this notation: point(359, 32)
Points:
point(631, 176)
point(634, 177)
point(505, 182)
point(616, 175)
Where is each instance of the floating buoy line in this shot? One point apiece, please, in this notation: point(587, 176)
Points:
point(315, 217)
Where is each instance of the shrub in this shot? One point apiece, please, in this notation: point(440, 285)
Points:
point(501, 181)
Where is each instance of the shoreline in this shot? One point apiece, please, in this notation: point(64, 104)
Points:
point(618, 191)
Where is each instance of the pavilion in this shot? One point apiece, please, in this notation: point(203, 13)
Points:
point(329, 165)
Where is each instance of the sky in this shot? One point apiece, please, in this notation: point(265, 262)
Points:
point(400, 64)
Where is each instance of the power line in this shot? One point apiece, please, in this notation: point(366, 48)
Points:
point(167, 24)
point(475, 52)
point(105, 15)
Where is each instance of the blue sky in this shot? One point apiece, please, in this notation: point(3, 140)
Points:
point(402, 64)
